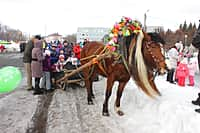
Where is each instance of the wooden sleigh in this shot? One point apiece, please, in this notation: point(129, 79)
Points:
point(68, 73)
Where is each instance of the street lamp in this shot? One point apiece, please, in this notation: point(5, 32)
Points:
point(145, 19)
point(185, 39)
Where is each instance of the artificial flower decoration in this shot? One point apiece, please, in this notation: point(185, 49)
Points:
point(125, 27)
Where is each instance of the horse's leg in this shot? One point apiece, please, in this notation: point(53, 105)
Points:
point(88, 84)
point(119, 94)
point(91, 85)
point(110, 82)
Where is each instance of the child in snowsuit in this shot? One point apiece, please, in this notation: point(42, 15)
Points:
point(192, 67)
point(182, 72)
point(46, 79)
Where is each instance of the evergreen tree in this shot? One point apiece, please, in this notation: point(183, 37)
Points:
point(184, 26)
point(194, 26)
point(180, 26)
point(189, 27)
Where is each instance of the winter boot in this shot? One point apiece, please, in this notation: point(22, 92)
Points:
point(197, 102)
point(170, 76)
point(37, 90)
point(197, 110)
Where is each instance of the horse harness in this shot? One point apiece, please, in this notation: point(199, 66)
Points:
point(155, 58)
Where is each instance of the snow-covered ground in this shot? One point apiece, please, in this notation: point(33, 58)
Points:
point(170, 113)
point(68, 112)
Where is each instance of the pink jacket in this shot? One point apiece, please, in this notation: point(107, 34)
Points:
point(192, 68)
point(182, 70)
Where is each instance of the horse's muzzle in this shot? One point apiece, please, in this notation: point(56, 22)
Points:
point(163, 70)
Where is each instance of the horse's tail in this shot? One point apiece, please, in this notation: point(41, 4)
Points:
point(139, 70)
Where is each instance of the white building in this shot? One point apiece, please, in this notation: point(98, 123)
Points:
point(98, 33)
point(91, 33)
point(53, 37)
point(155, 29)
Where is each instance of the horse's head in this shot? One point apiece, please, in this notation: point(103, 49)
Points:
point(153, 53)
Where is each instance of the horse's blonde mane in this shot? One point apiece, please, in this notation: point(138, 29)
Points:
point(141, 68)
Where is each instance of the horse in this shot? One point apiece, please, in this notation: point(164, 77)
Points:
point(144, 59)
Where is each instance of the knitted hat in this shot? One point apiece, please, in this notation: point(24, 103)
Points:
point(61, 57)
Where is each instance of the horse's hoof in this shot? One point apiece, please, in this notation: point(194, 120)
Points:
point(120, 113)
point(105, 114)
point(90, 103)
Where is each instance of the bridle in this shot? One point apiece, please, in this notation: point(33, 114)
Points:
point(155, 58)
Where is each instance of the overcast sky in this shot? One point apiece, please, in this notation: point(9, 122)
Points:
point(64, 16)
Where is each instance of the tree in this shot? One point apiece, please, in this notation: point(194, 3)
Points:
point(8, 34)
point(184, 26)
point(70, 38)
point(194, 27)
point(189, 27)
point(181, 27)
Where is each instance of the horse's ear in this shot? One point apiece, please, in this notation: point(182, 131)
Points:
point(146, 37)
point(156, 37)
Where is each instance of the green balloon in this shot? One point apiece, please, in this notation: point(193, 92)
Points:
point(10, 78)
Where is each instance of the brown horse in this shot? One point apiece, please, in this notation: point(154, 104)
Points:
point(144, 58)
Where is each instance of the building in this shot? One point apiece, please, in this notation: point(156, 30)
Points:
point(91, 33)
point(53, 37)
point(99, 33)
point(156, 29)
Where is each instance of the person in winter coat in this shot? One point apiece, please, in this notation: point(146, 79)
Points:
point(196, 44)
point(2, 48)
point(57, 69)
point(192, 67)
point(36, 66)
point(46, 78)
point(77, 51)
point(60, 64)
point(54, 54)
point(182, 72)
point(179, 46)
point(173, 58)
point(27, 58)
point(68, 49)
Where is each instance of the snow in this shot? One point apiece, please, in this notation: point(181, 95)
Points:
point(13, 47)
point(69, 112)
point(173, 112)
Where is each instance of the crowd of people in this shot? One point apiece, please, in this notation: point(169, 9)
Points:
point(44, 62)
point(181, 65)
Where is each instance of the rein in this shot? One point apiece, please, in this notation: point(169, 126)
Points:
point(93, 57)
